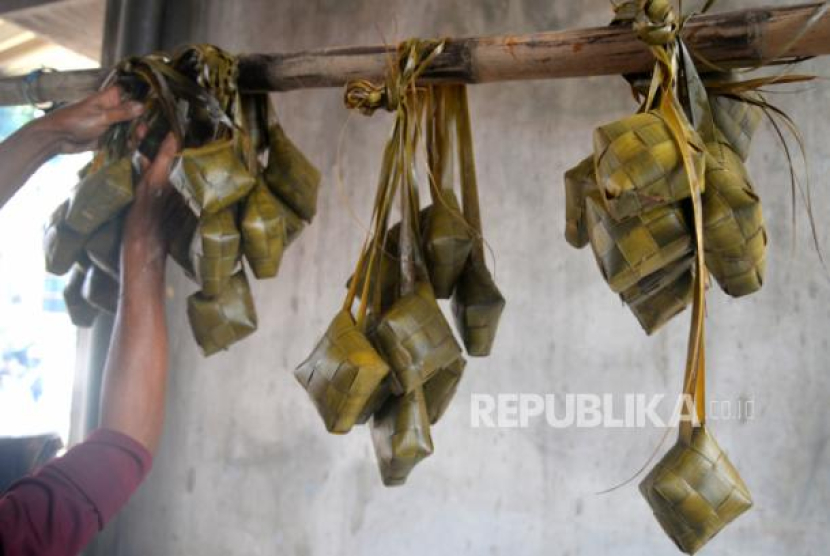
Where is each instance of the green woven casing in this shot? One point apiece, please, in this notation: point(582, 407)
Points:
point(639, 166)
point(401, 436)
point(733, 224)
point(341, 374)
point(415, 339)
point(290, 175)
point(737, 120)
point(264, 234)
point(579, 180)
point(661, 296)
point(440, 389)
point(104, 247)
point(100, 290)
point(100, 196)
point(477, 306)
point(447, 243)
point(220, 322)
point(630, 250)
point(211, 178)
point(182, 241)
point(215, 251)
point(61, 245)
point(80, 311)
point(695, 491)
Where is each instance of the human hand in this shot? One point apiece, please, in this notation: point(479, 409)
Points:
point(146, 229)
point(77, 127)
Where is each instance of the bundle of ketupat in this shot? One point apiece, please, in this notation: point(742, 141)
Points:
point(631, 199)
point(232, 202)
point(664, 200)
point(396, 361)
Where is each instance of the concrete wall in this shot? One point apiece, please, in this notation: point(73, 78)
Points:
point(246, 467)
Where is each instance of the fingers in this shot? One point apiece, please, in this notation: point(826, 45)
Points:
point(124, 112)
point(157, 172)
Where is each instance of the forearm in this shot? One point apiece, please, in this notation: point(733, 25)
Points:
point(136, 371)
point(23, 153)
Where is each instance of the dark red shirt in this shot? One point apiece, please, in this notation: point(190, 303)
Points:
point(58, 509)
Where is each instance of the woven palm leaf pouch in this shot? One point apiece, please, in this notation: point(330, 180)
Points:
point(447, 236)
point(401, 436)
point(61, 245)
point(100, 290)
point(290, 175)
point(735, 234)
point(268, 226)
point(104, 247)
point(694, 490)
point(221, 321)
point(629, 250)
point(738, 119)
point(215, 251)
point(638, 164)
point(100, 195)
point(212, 177)
point(477, 303)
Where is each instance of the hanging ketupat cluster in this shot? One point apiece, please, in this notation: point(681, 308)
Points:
point(231, 203)
point(664, 200)
point(396, 361)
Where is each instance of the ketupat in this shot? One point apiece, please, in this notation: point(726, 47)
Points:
point(639, 166)
point(447, 243)
point(477, 303)
point(104, 247)
point(401, 436)
point(440, 389)
point(737, 119)
point(219, 322)
point(215, 251)
point(735, 235)
point(100, 290)
point(61, 245)
point(211, 178)
point(290, 175)
point(100, 196)
point(695, 491)
point(264, 232)
point(342, 374)
point(627, 251)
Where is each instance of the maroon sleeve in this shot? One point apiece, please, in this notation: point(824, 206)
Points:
point(57, 510)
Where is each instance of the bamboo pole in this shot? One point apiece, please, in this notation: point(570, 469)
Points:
point(742, 38)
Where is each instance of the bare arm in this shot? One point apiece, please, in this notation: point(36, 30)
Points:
point(71, 129)
point(136, 371)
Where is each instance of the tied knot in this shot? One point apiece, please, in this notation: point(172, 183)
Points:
point(367, 97)
point(654, 21)
point(414, 56)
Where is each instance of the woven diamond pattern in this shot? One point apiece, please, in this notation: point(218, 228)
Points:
point(211, 178)
point(219, 322)
point(291, 176)
point(695, 491)
point(629, 250)
point(215, 251)
point(100, 196)
point(415, 339)
point(733, 224)
point(737, 120)
point(447, 244)
point(639, 165)
point(342, 374)
point(401, 436)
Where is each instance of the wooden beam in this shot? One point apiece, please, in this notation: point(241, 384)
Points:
point(733, 39)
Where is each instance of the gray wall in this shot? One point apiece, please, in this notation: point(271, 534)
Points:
point(246, 466)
